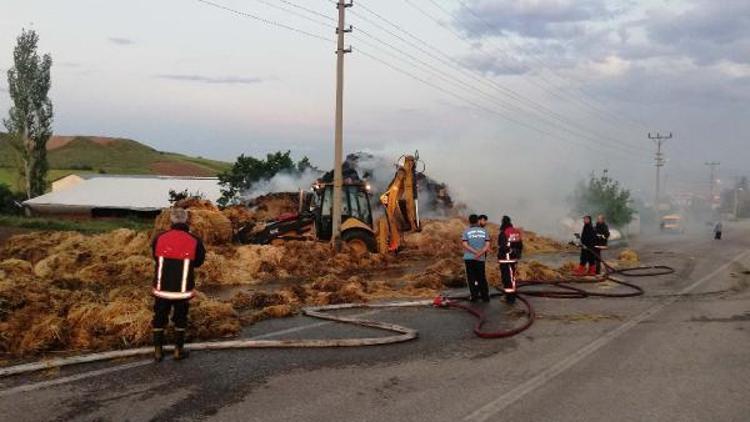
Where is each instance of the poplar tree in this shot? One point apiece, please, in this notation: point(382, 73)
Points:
point(29, 123)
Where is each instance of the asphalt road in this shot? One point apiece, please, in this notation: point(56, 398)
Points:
point(679, 353)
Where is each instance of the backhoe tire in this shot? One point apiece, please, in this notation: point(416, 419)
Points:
point(360, 241)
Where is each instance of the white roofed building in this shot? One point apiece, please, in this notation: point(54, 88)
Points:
point(119, 195)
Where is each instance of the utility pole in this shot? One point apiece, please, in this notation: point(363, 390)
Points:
point(659, 139)
point(338, 182)
point(712, 183)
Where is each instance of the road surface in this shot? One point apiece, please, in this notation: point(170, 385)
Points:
point(679, 353)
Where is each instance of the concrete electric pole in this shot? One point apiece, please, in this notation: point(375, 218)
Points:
point(338, 182)
point(659, 139)
point(712, 183)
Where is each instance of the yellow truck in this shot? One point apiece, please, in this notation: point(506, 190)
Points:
point(672, 223)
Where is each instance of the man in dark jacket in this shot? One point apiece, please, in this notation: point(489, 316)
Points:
point(510, 247)
point(177, 253)
point(602, 237)
point(588, 239)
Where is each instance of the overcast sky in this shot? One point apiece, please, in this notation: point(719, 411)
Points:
point(552, 86)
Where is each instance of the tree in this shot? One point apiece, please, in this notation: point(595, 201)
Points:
point(249, 170)
point(603, 195)
point(29, 123)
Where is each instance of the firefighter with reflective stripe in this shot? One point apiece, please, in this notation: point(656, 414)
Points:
point(601, 230)
point(510, 247)
point(177, 253)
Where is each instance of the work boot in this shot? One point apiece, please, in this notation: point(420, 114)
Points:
point(179, 345)
point(580, 271)
point(592, 270)
point(158, 345)
point(510, 298)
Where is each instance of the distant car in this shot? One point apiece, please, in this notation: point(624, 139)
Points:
point(672, 223)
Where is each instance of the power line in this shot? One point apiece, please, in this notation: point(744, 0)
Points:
point(473, 103)
point(547, 66)
point(453, 63)
point(455, 81)
point(265, 20)
point(311, 11)
point(292, 12)
point(437, 87)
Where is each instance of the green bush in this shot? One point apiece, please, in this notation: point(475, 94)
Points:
point(9, 201)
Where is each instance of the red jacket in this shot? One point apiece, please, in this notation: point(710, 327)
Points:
point(177, 253)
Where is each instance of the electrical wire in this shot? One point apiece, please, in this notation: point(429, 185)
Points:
point(479, 17)
point(536, 106)
point(265, 20)
point(504, 104)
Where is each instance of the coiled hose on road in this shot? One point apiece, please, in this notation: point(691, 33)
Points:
point(559, 290)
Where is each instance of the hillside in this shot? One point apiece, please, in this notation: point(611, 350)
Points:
point(89, 154)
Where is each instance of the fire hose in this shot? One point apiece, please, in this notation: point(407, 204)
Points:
point(560, 290)
point(556, 290)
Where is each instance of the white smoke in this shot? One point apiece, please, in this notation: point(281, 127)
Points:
point(283, 182)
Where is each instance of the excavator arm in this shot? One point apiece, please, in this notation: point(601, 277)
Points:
point(401, 204)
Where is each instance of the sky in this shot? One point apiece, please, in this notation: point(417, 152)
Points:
point(511, 95)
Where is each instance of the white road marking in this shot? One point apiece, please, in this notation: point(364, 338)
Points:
point(497, 405)
point(31, 387)
point(77, 377)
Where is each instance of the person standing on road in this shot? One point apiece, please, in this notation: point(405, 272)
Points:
point(600, 241)
point(483, 220)
point(177, 253)
point(510, 247)
point(476, 243)
point(717, 230)
point(587, 238)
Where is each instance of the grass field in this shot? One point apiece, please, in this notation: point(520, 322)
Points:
point(85, 154)
point(8, 175)
point(84, 226)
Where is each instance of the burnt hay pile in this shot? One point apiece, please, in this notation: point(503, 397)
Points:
point(64, 291)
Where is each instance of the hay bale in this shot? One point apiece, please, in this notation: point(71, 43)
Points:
point(629, 256)
point(278, 311)
point(240, 216)
point(205, 221)
point(15, 268)
point(35, 246)
point(212, 319)
point(536, 271)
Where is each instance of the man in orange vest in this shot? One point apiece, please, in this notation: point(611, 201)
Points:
point(177, 253)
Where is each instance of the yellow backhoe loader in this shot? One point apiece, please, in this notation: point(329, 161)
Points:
point(313, 221)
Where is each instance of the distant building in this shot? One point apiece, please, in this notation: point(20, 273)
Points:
point(117, 195)
point(69, 181)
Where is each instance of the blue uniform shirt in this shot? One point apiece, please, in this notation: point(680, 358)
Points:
point(476, 237)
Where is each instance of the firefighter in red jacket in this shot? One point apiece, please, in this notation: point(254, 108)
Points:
point(510, 247)
point(177, 253)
